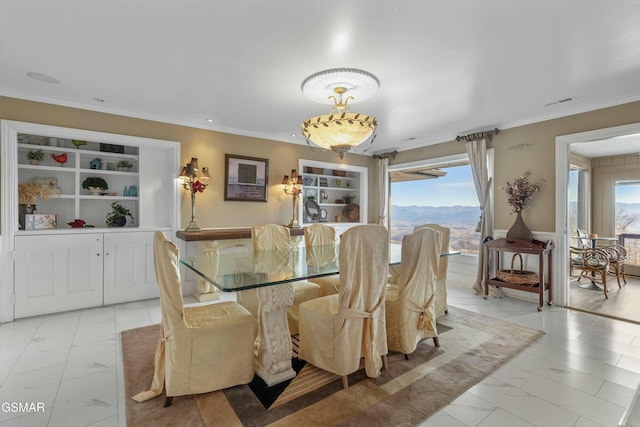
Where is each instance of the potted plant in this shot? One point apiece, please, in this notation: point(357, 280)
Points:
point(95, 184)
point(118, 215)
point(35, 156)
point(124, 165)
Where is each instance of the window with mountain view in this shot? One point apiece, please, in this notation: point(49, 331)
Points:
point(444, 196)
point(627, 218)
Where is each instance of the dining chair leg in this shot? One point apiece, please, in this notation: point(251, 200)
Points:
point(604, 283)
point(385, 363)
point(167, 401)
point(406, 357)
point(624, 275)
point(345, 382)
point(617, 272)
point(436, 341)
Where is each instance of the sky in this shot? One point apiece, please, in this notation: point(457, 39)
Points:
point(455, 188)
point(628, 193)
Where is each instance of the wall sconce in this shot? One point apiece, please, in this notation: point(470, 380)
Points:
point(292, 185)
point(194, 184)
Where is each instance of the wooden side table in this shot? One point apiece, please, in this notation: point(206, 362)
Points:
point(496, 247)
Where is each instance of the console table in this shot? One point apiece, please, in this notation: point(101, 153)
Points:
point(224, 234)
point(496, 247)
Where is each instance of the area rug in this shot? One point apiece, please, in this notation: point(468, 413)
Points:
point(407, 393)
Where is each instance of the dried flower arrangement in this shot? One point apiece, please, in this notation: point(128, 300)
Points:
point(520, 191)
point(29, 192)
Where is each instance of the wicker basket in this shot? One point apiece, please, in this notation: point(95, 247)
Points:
point(318, 171)
point(518, 277)
point(339, 173)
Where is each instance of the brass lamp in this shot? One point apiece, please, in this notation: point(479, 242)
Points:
point(292, 185)
point(194, 184)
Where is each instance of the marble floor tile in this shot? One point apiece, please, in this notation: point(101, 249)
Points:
point(91, 358)
point(39, 385)
point(469, 409)
point(527, 406)
point(558, 372)
point(574, 401)
point(43, 352)
point(85, 400)
point(442, 419)
point(500, 417)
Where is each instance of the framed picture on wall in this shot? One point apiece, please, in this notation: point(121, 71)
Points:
point(245, 178)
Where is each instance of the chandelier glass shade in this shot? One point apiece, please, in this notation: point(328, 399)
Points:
point(340, 130)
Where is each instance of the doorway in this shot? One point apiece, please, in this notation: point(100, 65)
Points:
point(619, 146)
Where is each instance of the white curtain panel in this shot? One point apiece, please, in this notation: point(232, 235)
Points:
point(477, 152)
point(383, 189)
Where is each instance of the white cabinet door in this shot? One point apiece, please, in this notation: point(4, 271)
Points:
point(57, 273)
point(128, 267)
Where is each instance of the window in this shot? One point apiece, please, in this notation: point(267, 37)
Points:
point(627, 220)
point(627, 207)
point(578, 204)
point(443, 195)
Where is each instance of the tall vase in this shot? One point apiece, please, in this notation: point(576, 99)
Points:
point(519, 230)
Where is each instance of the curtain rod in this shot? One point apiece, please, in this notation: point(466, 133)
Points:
point(478, 135)
point(390, 155)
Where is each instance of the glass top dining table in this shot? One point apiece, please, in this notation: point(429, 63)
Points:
point(270, 275)
point(238, 269)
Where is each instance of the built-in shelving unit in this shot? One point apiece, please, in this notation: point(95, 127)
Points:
point(339, 190)
point(74, 201)
point(49, 266)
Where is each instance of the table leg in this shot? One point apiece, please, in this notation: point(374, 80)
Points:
point(274, 350)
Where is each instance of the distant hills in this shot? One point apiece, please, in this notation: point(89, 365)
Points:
point(414, 215)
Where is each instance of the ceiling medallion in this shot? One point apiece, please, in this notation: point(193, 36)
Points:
point(340, 130)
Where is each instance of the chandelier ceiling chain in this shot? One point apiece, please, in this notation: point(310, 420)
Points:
point(340, 130)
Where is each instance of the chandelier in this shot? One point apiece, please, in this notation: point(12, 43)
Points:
point(340, 130)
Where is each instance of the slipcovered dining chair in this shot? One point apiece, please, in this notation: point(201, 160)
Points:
point(201, 349)
point(441, 285)
point(410, 306)
point(318, 240)
point(337, 331)
point(271, 237)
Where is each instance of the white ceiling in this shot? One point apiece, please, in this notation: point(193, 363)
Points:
point(446, 68)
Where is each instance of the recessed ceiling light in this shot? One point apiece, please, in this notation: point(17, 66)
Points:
point(210, 120)
point(292, 135)
point(44, 78)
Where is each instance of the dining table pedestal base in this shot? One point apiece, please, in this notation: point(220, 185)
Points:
point(274, 349)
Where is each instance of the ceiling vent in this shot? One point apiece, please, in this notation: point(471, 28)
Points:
point(560, 101)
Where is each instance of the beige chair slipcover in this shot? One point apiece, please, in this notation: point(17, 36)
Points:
point(203, 348)
point(321, 235)
point(271, 237)
point(441, 286)
point(410, 306)
point(336, 331)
